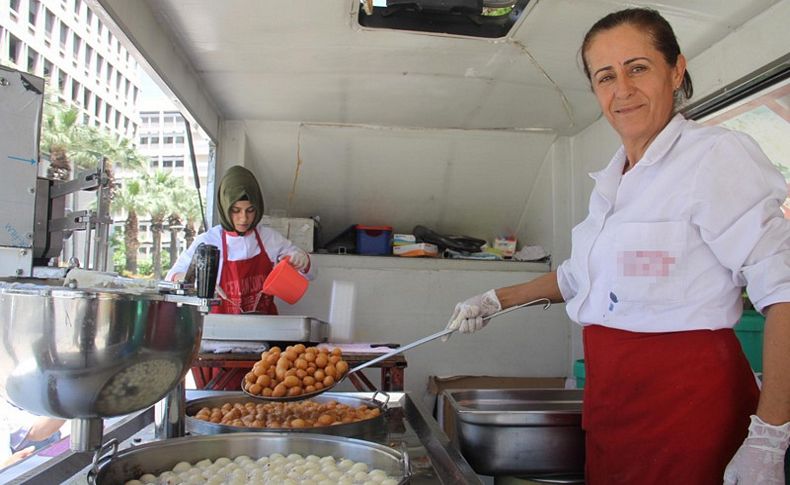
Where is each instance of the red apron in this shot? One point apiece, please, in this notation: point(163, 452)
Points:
point(241, 289)
point(664, 408)
point(242, 283)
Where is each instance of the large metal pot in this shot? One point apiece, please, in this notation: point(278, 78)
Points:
point(358, 428)
point(85, 353)
point(158, 457)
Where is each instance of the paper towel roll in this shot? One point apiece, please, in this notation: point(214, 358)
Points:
point(341, 311)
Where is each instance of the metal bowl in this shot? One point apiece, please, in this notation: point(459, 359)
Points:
point(91, 353)
point(358, 428)
point(161, 456)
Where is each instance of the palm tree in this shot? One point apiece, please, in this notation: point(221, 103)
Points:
point(129, 199)
point(185, 212)
point(60, 129)
point(194, 216)
point(159, 190)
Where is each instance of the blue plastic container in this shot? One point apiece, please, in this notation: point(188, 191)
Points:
point(374, 240)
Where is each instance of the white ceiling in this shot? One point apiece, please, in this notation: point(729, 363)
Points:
point(308, 60)
point(367, 126)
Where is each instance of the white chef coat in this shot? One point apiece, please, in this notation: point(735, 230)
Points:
point(239, 248)
point(669, 245)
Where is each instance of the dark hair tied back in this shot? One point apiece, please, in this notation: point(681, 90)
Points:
point(655, 25)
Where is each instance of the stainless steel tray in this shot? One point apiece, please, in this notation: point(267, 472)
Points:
point(359, 428)
point(272, 328)
point(519, 431)
point(164, 455)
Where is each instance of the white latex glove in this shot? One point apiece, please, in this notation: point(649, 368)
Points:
point(760, 459)
point(470, 315)
point(299, 259)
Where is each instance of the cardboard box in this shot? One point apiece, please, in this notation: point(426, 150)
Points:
point(299, 231)
point(443, 411)
point(506, 246)
point(414, 250)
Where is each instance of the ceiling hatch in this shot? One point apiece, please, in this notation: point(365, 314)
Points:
point(489, 19)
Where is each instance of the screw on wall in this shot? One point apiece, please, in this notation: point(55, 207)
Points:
point(23, 252)
point(4, 82)
point(20, 272)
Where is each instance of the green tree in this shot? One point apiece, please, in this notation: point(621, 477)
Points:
point(160, 190)
point(131, 201)
point(72, 145)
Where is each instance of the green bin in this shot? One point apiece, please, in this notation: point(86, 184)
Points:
point(578, 373)
point(750, 333)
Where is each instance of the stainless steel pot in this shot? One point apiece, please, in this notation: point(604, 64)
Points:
point(158, 457)
point(359, 428)
point(85, 353)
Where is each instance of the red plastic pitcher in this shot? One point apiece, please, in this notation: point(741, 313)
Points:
point(285, 282)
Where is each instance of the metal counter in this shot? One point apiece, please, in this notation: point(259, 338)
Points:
point(433, 459)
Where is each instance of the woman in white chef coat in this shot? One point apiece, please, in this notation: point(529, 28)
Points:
point(680, 220)
point(248, 250)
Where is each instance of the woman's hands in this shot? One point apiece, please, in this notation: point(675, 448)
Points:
point(470, 315)
point(760, 459)
point(299, 260)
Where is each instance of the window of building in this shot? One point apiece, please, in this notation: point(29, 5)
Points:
point(64, 35)
point(77, 43)
point(135, 92)
point(126, 90)
point(14, 48)
point(86, 97)
point(33, 8)
point(179, 140)
point(49, 22)
point(109, 73)
point(167, 140)
point(75, 90)
point(32, 60)
point(154, 163)
point(97, 107)
point(759, 107)
point(99, 64)
point(143, 140)
point(118, 79)
point(172, 162)
point(15, 6)
point(77, 7)
point(61, 80)
point(48, 67)
point(154, 140)
point(89, 17)
point(107, 114)
point(117, 119)
point(88, 55)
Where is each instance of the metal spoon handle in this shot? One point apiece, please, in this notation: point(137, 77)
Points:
point(436, 335)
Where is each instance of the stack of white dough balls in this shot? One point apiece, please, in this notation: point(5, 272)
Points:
point(293, 469)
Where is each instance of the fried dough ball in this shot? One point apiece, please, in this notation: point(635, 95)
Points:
point(298, 414)
point(300, 369)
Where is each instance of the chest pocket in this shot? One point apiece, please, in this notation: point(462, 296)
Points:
point(650, 262)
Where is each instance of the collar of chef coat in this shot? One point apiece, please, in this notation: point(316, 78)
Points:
point(608, 179)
